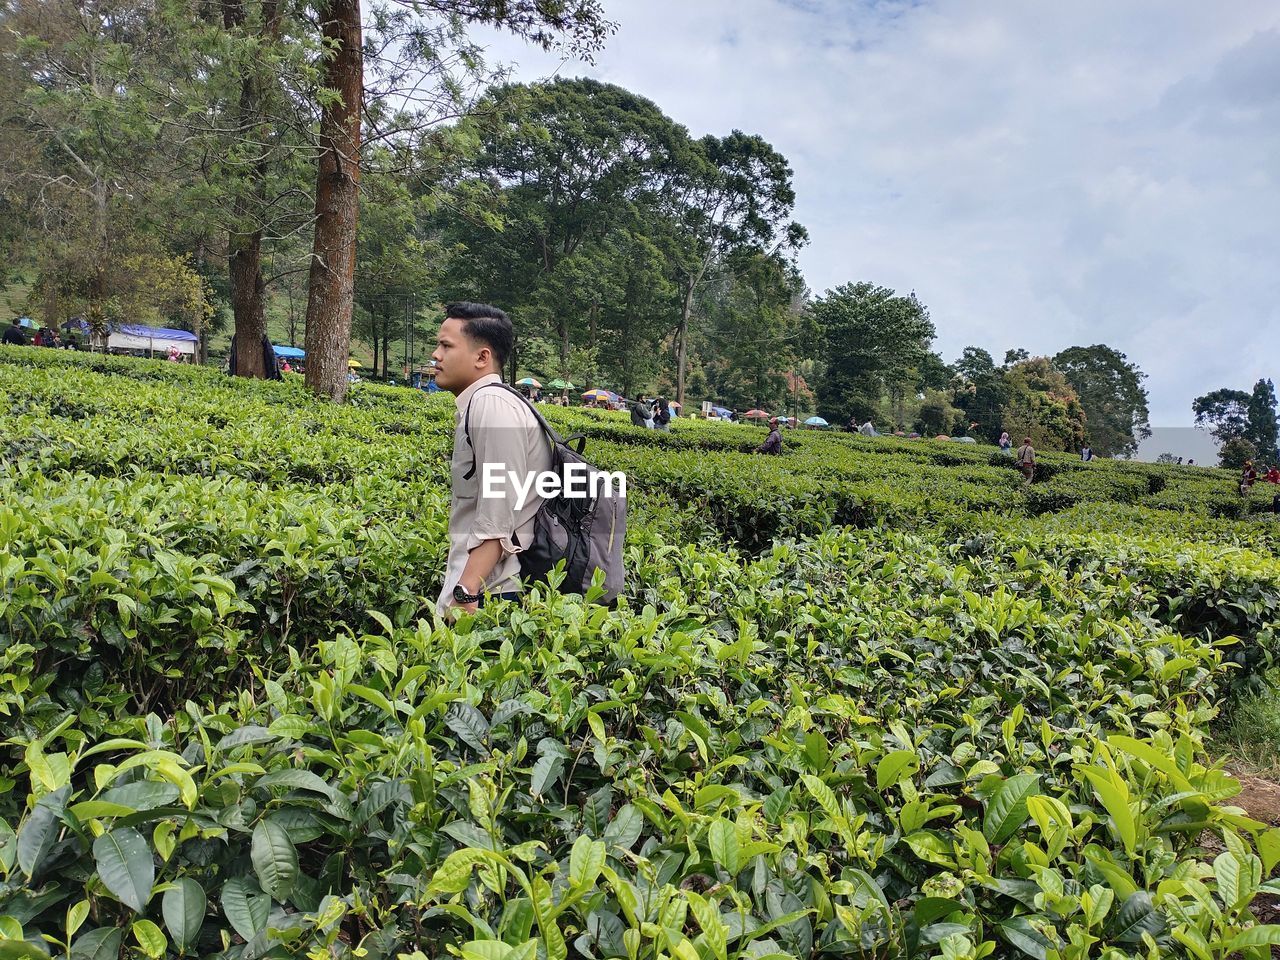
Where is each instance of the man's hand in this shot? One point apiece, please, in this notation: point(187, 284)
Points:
point(456, 608)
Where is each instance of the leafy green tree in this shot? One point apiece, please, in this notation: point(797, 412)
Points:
point(78, 136)
point(1236, 452)
point(398, 262)
point(1262, 420)
point(1042, 405)
point(577, 163)
point(871, 337)
point(1112, 395)
point(980, 390)
point(747, 343)
point(1224, 412)
point(937, 414)
point(731, 194)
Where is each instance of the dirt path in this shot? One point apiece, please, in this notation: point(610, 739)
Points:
point(1261, 798)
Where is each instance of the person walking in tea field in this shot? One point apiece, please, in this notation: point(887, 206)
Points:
point(641, 415)
point(1248, 477)
point(662, 414)
point(1026, 459)
point(493, 426)
point(1005, 443)
point(1086, 453)
point(773, 443)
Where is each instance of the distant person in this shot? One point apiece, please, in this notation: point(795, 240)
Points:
point(852, 425)
point(1179, 461)
point(662, 414)
point(773, 442)
point(1006, 444)
point(1275, 503)
point(1026, 459)
point(1272, 475)
point(868, 430)
point(641, 415)
point(14, 334)
point(285, 367)
point(1248, 477)
point(1191, 463)
point(1086, 453)
point(175, 355)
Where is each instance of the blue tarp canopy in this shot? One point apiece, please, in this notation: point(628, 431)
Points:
point(289, 353)
point(721, 411)
point(154, 333)
point(135, 330)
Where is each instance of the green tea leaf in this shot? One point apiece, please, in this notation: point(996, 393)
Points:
point(39, 831)
point(150, 938)
point(100, 944)
point(245, 906)
point(586, 860)
point(1007, 810)
point(894, 766)
point(184, 906)
point(1019, 933)
point(275, 859)
point(126, 866)
point(723, 840)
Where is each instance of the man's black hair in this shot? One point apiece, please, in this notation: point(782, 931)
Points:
point(488, 325)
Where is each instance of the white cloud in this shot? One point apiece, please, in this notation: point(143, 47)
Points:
point(1042, 174)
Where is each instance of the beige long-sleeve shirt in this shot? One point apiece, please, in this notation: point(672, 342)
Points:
point(506, 435)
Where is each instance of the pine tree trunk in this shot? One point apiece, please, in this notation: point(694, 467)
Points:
point(331, 292)
point(244, 260)
point(247, 295)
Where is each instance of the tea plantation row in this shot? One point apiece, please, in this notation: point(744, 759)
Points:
point(868, 699)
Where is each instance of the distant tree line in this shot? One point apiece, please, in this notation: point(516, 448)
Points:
point(207, 162)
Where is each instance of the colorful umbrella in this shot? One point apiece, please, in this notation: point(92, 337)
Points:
point(816, 422)
point(757, 414)
point(599, 395)
point(528, 382)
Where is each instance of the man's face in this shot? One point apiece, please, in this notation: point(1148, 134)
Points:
point(460, 362)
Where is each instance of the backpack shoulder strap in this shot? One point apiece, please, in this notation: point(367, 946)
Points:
point(548, 430)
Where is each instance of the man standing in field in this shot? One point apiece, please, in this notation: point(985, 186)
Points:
point(772, 443)
point(495, 427)
point(1026, 459)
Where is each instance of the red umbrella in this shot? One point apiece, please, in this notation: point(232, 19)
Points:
point(757, 414)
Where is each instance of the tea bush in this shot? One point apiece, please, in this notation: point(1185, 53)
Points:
point(872, 698)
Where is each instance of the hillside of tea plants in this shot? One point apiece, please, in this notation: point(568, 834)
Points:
point(869, 699)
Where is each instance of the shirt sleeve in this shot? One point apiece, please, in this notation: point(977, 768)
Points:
point(497, 437)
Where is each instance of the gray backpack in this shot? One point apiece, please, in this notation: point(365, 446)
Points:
point(586, 533)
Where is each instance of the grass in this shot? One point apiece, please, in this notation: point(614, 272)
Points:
point(1251, 735)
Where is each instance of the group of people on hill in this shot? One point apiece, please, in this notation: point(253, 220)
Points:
point(1249, 475)
point(16, 335)
point(651, 414)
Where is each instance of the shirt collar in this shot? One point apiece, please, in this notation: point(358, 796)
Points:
point(465, 396)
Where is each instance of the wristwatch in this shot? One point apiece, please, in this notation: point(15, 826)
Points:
point(460, 595)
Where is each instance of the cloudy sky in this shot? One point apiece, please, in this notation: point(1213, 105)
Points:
point(1042, 174)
